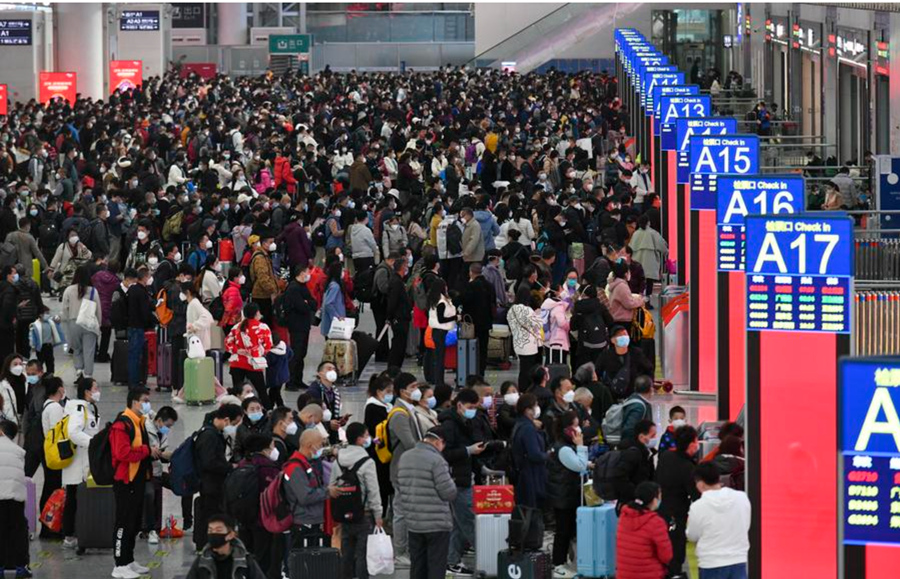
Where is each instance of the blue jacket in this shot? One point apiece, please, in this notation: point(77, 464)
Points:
point(332, 307)
point(278, 372)
point(489, 228)
point(530, 456)
point(197, 259)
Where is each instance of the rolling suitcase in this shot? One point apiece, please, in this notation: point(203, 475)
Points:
point(95, 519)
point(119, 366)
point(164, 362)
point(558, 368)
point(31, 513)
point(343, 354)
point(314, 560)
point(524, 565)
point(596, 537)
point(365, 348)
point(466, 360)
point(216, 338)
point(218, 358)
point(198, 381)
point(151, 352)
point(491, 532)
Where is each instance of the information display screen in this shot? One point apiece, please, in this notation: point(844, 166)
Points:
point(687, 127)
point(652, 79)
point(869, 394)
point(799, 271)
point(15, 32)
point(711, 156)
point(678, 106)
point(664, 90)
point(139, 20)
point(740, 196)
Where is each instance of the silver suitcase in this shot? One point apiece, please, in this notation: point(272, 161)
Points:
point(491, 532)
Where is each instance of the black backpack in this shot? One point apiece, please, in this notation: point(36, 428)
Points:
point(242, 494)
point(454, 239)
point(118, 312)
point(620, 383)
point(217, 308)
point(593, 332)
point(605, 467)
point(349, 506)
point(320, 235)
point(100, 453)
point(48, 234)
point(279, 311)
point(363, 284)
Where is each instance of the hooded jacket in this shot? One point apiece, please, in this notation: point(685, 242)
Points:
point(555, 312)
point(243, 565)
point(489, 228)
point(643, 548)
point(368, 476)
point(719, 523)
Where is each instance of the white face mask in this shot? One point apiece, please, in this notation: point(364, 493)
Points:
point(537, 412)
point(511, 398)
point(153, 260)
point(331, 376)
point(273, 454)
point(679, 423)
point(241, 280)
point(142, 235)
point(416, 395)
point(569, 396)
point(17, 370)
point(291, 428)
point(95, 396)
point(209, 244)
point(272, 247)
point(177, 257)
point(73, 240)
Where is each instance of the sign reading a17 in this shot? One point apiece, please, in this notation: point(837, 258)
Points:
point(799, 245)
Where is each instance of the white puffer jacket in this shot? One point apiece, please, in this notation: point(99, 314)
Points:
point(84, 423)
point(12, 470)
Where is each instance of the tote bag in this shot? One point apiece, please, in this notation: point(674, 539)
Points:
point(87, 314)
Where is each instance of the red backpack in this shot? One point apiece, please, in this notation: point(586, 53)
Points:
point(275, 513)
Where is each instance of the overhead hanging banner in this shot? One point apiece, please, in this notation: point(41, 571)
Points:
point(125, 75)
point(53, 85)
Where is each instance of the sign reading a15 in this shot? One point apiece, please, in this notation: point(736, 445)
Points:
point(724, 154)
point(799, 245)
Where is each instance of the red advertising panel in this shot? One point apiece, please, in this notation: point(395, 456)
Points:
point(3, 94)
point(201, 69)
point(125, 75)
point(57, 85)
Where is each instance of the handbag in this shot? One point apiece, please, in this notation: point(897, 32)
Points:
point(379, 553)
point(466, 328)
point(342, 329)
point(259, 362)
point(526, 529)
point(87, 314)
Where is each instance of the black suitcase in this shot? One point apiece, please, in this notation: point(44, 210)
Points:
point(557, 368)
point(365, 349)
point(95, 519)
point(466, 361)
point(218, 357)
point(119, 365)
point(313, 559)
point(524, 565)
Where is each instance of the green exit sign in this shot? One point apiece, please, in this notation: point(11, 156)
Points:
point(289, 43)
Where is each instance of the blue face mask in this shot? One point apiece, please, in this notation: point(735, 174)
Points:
point(432, 401)
point(388, 398)
point(622, 341)
point(572, 282)
point(255, 417)
point(15, 278)
point(318, 454)
point(163, 430)
point(145, 408)
point(469, 413)
point(32, 379)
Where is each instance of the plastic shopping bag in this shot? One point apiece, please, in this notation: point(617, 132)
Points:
point(52, 514)
point(342, 329)
point(380, 554)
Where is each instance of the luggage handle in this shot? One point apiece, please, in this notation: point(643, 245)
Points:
point(551, 349)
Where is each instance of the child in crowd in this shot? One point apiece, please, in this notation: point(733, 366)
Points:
point(677, 417)
point(44, 334)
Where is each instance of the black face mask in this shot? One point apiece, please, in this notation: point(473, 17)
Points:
point(217, 540)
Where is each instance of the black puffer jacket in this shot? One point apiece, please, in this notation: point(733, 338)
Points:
point(458, 434)
point(564, 486)
point(212, 466)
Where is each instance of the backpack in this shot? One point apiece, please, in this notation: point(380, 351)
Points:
point(383, 449)
point(26, 309)
point(454, 239)
point(85, 232)
point(242, 493)
point(620, 383)
point(279, 311)
point(100, 454)
point(172, 227)
point(183, 469)
point(320, 235)
point(217, 308)
point(419, 295)
point(604, 468)
point(163, 312)
point(363, 285)
point(471, 154)
point(642, 325)
point(48, 234)
point(8, 254)
point(542, 241)
point(512, 469)
point(274, 511)
point(349, 506)
point(59, 451)
point(592, 331)
point(613, 422)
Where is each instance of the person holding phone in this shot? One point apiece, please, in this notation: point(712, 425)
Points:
point(324, 392)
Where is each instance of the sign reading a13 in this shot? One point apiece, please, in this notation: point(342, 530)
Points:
point(675, 106)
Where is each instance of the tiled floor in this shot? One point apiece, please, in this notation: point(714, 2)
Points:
point(172, 559)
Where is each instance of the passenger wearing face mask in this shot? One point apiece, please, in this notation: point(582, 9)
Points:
point(132, 458)
point(563, 391)
point(459, 451)
point(262, 456)
point(300, 308)
point(379, 403)
point(84, 423)
point(621, 364)
point(254, 422)
point(677, 417)
point(324, 391)
point(675, 475)
point(306, 491)
point(506, 410)
point(224, 556)
point(529, 454)
point(158, 425)
point(394, 236)
point(212, 466)
point(643, 547)
point(424, 410)
point(266, 285)
point(69, 255)
point(248, 342)
point(569, 463)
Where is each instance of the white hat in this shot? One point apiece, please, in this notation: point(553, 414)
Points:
point(243, 198)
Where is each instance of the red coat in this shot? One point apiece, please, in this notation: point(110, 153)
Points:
point(643, 548)
point(123, 454)
point(284, 174)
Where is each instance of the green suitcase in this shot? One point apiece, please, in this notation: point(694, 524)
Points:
point(199, 376)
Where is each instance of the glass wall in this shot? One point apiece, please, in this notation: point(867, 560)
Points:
point(371, 26)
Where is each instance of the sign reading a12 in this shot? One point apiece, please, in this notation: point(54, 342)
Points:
point(799, 245)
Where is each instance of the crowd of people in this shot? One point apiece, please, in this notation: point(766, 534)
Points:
point(245, 212)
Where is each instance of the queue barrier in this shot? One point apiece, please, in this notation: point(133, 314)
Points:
point(877, 327)
point(675, 355)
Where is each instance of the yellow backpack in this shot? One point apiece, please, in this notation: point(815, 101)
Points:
point(383, 449)
point(642, 325)
point(59, 451)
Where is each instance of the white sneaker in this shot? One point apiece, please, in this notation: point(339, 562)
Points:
point(177, 400)
point(153, 538)
point(138, 568)
point(563, 572)
point(402, 561)
point(70, 543)
point(125, 572)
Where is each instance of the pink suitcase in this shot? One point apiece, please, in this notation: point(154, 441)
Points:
point(31, 512)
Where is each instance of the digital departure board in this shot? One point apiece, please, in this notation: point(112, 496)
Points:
point(799, 272)
point(711, 156)
point(15, 32)
point(139, 20)
point(739, 196)
point(665, 90)
point(687, 127)
point(677, 106)
point(869, 394)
